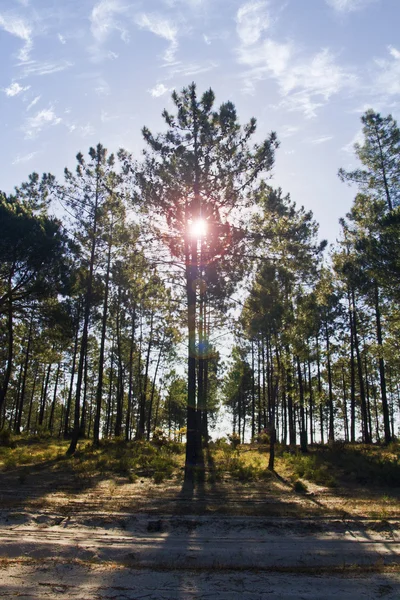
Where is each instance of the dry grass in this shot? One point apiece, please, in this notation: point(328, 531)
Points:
point(341, 481)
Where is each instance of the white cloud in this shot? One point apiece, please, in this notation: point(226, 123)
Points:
point(15, 88)
point(387, 80)
point(34, 101)
point(320, 76)
point(163, 28)
point(189, 70)
point(358, 138)
point(43, 118)
point(305, 83)
point(159, 90)
point(251, 20)
point(102, 87)
point(321, 140)
point(22, 159)
point(348, 5)
point(103, 20)
point(34, 67)
point(19, 28)
point(288, 131)
point(61, 39)
point(269, 56)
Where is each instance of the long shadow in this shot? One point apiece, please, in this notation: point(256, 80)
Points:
point(179, 537)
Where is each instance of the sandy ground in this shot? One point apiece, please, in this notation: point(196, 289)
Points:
point(81, 582)
point(87, 538)
point(90, 556)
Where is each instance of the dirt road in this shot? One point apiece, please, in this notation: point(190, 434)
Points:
point(95, 555)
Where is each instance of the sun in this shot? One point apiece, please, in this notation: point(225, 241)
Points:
point(198, 228)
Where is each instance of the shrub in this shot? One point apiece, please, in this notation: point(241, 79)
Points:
point(159, 438)
point(234, 439)
point(6, 438)
point(311, 468)
point(299, 486)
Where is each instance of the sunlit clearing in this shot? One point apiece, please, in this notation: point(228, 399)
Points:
point(198, 228)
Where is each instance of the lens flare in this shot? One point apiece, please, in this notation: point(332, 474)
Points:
point(198, 228)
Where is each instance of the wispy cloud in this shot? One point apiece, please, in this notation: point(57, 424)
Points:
point(23, 159)
point(190, 70)
point(42, 119)
point(288, 131)
point(162, 27)
point(16, 26)
point(103, 20)
point(356, 139)
point(387, 80)
point(305, 83)
point(349, 5)
point(15, 88)
point(251, 20)
point(320, 140)
point(158, 90)
point(32, 104)
point(34, 67)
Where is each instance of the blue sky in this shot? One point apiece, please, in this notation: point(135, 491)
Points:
point(75, 72)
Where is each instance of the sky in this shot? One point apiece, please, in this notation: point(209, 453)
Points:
point(78, 72)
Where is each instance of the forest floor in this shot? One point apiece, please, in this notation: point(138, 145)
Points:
point(106, 524)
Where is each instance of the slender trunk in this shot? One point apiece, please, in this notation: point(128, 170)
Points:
point(253, 394)
point(100, 374)
point(25, 375)
point(153, 387)
point(382, 375)
point(28, 424)
point(17, 398)
point(331, 435)
point(130, 383)
point(364, 412)
point(53, 404)
point(311, 401)
point(44, 395)
point(143, 395)
point(120, 385)
point(289, 391)
point(10, 348)
point(109, 400)
point(71, 384)
point(321, 408)
point(303, 430)
point(345, 415)
point(352, 376)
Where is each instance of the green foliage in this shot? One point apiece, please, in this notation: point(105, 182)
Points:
point(310, 467)
point(245, 470)
point(299, 487)
point(234, 439)
point(367, 465)
point(6, 438)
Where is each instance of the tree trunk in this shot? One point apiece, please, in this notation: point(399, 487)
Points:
point(382, 375)
point(100, 374)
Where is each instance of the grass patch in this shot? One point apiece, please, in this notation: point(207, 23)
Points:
point(310, 467)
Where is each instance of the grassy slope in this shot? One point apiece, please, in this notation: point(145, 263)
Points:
point(343, 480)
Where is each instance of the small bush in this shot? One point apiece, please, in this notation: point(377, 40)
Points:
point(7, 439)
point(299, 487)
point(10, 462)
point(310, 467)
point(234, 439)
point(262, 438)
point(244, 470)
point(159, 438)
